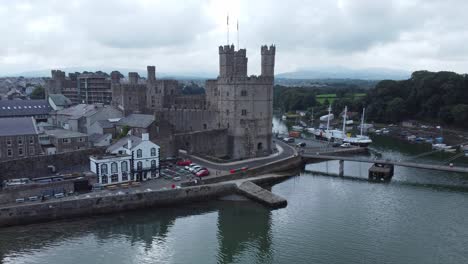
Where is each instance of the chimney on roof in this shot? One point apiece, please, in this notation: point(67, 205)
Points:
point(129, 144)
point(145, 136)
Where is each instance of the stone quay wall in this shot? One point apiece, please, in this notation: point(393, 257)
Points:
point(37, 166)
point(9, 195)
point(69, 207)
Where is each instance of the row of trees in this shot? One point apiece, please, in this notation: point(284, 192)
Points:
point(430, 96)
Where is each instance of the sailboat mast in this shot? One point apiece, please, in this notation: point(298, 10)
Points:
point(344, 120)
point(362, 119)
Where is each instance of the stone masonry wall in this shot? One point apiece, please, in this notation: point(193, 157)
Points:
point(34, 167)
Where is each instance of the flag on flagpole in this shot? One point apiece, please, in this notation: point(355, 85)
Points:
point(227, 21)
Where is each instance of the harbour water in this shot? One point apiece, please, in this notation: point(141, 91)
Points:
point(419, 217)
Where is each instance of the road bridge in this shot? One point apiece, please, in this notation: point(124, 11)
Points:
point(308, 158)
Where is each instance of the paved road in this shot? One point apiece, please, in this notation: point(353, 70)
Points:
point(285, 151)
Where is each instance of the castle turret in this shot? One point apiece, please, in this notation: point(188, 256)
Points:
point(268, 60)
point(115, 76)
point(226, 60)
point(240, 63)
point(151, 73)
point(133, 77)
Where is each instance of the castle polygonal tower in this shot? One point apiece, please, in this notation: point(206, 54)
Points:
point(245, 104)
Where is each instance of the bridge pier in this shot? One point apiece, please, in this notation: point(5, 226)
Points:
point(341, 169)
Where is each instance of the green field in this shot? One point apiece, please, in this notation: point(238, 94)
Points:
point(320, 98)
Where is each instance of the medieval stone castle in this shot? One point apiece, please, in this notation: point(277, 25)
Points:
point(232, 119)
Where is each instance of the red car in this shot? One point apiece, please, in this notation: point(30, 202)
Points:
point(203, 173)
point(184, 162)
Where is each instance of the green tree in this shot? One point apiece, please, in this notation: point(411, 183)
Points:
point(38, 93)
point(460, 114)
point(395, 110)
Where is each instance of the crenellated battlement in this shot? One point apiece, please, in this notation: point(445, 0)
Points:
point(226, 49)
point(268, 50)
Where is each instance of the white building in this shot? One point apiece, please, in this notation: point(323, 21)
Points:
point(111, 168)
point(144, 155)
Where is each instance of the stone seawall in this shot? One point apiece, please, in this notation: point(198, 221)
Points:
point(33, 167)
point(70, 207)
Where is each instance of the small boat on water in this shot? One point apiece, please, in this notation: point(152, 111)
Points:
point(441, 146)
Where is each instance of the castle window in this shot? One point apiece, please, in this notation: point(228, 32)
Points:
point(243, 93)
point(204, 126)
point(9, 153)
point(20, 152)
point(31, 140)
point(244, 112)
point(20, 140)
point(227, 111)
point(227, 94)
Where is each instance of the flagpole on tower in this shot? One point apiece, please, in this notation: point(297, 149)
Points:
point(238, 46)
point(227, 24)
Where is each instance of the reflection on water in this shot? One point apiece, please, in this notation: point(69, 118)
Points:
point(165, 235)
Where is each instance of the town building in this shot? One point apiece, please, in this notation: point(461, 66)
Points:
point(18, 138)
point(65, 140)
point(87, 88)
point(81, 117)
point(38, 109)
point(58, 101)
point(138, 124)
point(144, 153)
point(112, 168)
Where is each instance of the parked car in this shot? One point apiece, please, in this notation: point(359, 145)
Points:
point(184, 162)
point(190, 166)
point(301, 144)
point(203, 173)
point(336, 145)
point(345, 145)
point(194, 168)
point(288, 140)
point(198, 169)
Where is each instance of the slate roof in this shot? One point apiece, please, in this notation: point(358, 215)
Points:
point(60, 99)
point(123, 143)
point(78, 111)
point(13, 108)
point(17, 126)
point(63, 133)
point(94, 138)
point(105, 124)
point(137, 120)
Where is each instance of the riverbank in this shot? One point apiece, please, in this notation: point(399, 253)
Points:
point(117, 201)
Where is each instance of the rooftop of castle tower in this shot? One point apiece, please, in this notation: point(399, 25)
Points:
point(268, 50)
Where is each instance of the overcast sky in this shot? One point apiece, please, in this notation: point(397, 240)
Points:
point(183, 36)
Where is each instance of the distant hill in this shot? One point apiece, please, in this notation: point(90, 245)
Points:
point(346, 73)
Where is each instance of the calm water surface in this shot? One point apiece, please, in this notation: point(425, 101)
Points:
point(420, 217)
